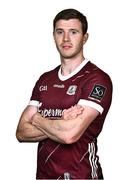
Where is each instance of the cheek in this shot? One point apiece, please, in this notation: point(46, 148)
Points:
point(58, 42)
point(58, 39)
point(79, 43)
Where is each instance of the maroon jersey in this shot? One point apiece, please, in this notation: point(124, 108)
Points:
point(86, 85)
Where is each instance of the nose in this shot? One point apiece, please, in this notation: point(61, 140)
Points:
point(66, 37)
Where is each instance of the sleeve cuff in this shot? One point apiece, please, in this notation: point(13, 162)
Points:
point(91, 104)
point(34, 103)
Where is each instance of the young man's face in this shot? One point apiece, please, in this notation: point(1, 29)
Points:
point(69, 37)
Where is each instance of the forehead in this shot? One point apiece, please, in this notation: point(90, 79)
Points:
point(68, 24)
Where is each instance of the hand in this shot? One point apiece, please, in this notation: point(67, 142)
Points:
point(72, 112)
point(36, 119)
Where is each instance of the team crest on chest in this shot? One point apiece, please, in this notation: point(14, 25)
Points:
point(71, 90)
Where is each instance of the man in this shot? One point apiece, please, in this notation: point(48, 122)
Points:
point(68, 107)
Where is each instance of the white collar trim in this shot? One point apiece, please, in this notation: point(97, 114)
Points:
point(63, 78)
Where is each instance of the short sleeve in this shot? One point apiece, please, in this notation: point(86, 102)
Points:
point(97, 92)
point(35, 97)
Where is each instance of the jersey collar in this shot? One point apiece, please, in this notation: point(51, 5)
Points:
point(63, 78)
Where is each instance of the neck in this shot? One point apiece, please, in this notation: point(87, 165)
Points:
point(69, 65)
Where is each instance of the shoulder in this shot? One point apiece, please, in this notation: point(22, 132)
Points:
point(97, 86)
point(96, 74)
point(48, 74)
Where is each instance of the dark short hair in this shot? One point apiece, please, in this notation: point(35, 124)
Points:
point(72, 14)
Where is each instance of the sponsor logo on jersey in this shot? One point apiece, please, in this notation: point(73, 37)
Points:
point(51, 112)
point(43, 88)
point(71, 90)
point(97, 92)
point(58, 85)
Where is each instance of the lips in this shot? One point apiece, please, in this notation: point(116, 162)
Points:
point(66, 46)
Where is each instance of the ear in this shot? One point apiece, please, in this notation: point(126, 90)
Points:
point(85, 38)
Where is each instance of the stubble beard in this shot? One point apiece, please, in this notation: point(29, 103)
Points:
point(70, 55)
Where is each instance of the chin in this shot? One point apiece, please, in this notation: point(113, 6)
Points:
point(68, 56)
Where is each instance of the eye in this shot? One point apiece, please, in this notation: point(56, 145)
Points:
point(59, 32)
point(73, 31)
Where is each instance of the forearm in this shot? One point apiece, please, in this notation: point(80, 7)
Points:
point(66, 131)
point(57, 130)
point(51, 135)
point(30, 133)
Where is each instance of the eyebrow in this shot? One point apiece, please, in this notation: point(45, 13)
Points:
point(60, 29)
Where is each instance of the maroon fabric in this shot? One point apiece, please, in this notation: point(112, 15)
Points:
point(77, 160)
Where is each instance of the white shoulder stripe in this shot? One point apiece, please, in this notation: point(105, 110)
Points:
point(91, 104)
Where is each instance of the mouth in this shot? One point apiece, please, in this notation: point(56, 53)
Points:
point(66, 46)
